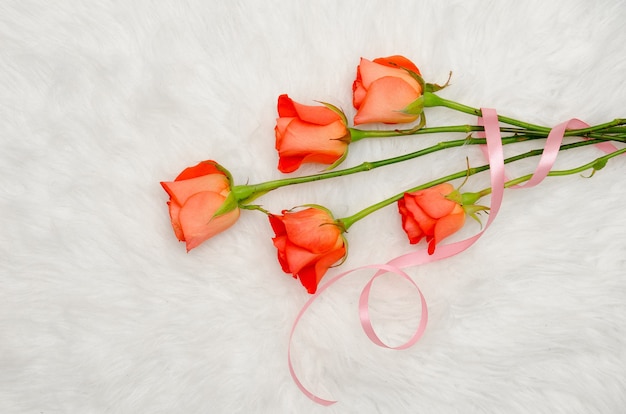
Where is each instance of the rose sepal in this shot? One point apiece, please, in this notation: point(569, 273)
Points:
point(416, 107)
point(341, 114)
point(434, 87)
point(468, 203)
point(473, 210)
point(227, 206)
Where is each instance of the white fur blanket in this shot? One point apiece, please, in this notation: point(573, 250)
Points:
point(103, 311)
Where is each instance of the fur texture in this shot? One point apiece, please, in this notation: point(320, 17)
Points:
point(101, 309)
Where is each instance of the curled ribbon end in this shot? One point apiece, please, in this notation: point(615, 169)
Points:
point(302, 388)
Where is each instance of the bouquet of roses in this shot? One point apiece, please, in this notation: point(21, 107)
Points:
point(205, 201)
point(309, 239)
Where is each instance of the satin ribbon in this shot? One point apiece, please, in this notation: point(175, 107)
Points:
point(551, 150)
point(494, 153)
point(365, 320)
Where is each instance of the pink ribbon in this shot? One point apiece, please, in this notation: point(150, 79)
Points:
point(365, 320)
point(551, 150)
point(495, 156)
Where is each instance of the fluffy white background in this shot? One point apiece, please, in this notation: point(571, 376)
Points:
point(101, 309)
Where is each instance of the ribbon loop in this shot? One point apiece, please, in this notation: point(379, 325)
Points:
point(364, 317)
point(366, 322)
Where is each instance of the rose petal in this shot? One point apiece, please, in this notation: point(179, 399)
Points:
point(280, 243)
point(302, 142)
point(449, 224)
point(385, 100)
point(203, 168)
point(409, 224)
point(398, 60)
point(358, 90)
point(282, 125)
point(314, 114)
point(277, 225)
point(433, 201)
point(298, 257)
point(286, 107)
point(311, 276)
point(372, 71)
point(302, 137)
point(197, 221)
point(289, 164)
point(180, 191)
point(311, 229)
point(174, 210)
point(423, 220)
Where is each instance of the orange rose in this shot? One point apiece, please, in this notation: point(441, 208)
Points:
point(308, 134)
point(383, 89)
point(309, 241)
point(428, 213)
point(195, 195)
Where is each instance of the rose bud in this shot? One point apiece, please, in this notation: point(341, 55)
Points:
point(309, 242)
point(431, 214)
point(384, 89)
point(195, 196)
point(309, 134)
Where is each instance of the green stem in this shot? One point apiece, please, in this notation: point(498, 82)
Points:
point(350, 220)
point(597, 131)
point(249, 192)
point(430, 100)
point(359, 134)
point(595, 165)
